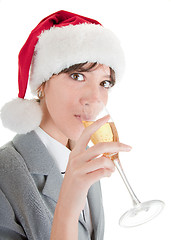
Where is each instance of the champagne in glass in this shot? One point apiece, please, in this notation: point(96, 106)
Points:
point(141, 212)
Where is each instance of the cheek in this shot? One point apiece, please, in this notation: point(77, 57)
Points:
point(56, 98)
point(52, 104)
point(60, 110)
point(104, 97)
point(57, 109)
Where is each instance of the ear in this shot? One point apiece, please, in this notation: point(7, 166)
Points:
point(43, 87)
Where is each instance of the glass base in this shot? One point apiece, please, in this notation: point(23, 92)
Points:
point(141, 213)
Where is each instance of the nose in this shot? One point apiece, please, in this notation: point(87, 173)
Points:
point(93, 99)
point(90, 96)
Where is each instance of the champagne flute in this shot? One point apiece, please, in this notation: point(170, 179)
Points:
point(141, 212)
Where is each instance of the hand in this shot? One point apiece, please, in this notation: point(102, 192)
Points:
point(85, 168)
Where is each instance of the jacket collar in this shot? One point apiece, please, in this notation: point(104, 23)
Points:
point(59, 152)
point(34, 153)
point(39, 161)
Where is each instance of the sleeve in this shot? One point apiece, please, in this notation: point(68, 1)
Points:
point(9, 228)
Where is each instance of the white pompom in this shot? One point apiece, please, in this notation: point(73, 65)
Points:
point(21, 115)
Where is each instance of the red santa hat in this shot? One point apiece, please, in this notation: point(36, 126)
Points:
point(58, 42)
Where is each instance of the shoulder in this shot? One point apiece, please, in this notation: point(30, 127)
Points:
point(15, 178)
point(13, 168)
point(11, 164)
point(10, 159)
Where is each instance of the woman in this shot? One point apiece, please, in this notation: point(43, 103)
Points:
point(49, 180)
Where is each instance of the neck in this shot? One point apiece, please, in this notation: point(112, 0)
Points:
point(54, 133)
point(49, 126)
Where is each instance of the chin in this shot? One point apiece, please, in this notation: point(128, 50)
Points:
point(75, 134)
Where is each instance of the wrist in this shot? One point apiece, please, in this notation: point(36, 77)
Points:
point(67, 210)
point(65, 224)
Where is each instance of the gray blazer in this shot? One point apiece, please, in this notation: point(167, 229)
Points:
point(29, 188)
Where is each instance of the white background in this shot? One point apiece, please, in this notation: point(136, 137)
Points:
point(139, 105)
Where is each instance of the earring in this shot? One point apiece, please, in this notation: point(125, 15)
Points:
point(40, 94)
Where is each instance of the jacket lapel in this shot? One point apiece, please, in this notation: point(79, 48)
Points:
point(39, 161)
point(96, 208)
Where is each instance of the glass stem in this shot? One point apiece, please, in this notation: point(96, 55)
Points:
point(128, 186)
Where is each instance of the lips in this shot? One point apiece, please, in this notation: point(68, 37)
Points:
point(78, 117)
point(83, 117)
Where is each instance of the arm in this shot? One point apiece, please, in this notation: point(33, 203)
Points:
point(9, 228)
point(65, 225)
point(83, 170)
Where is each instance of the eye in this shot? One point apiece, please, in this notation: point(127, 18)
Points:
point(107, 84)
point(77, 76)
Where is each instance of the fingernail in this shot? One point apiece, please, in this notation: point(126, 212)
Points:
point(128, 148)
point(106, 118)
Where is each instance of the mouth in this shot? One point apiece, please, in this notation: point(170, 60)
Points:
point(78, 117)
point(83, 118)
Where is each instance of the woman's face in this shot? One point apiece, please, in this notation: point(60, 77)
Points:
point(67, 94)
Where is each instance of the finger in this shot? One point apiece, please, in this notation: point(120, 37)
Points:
point(108, 147)
point(86, 135)
point(101, 148)
point(97, 163)
point(98, 174)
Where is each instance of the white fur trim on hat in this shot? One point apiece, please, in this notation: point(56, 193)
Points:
point(59, 48)
point(21, 115)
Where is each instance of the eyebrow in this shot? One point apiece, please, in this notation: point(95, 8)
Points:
point(107, 76)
